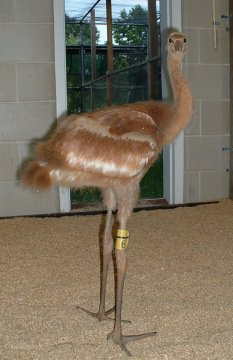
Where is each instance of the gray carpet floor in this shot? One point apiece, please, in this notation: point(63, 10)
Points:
point(179, 283)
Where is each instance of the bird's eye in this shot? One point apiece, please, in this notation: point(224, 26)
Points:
point(170, 41)
point(184, 40)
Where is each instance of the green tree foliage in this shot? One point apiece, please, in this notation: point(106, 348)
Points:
point(131, 28)
point(77, 34)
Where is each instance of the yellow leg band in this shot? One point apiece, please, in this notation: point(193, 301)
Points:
point(122, 239)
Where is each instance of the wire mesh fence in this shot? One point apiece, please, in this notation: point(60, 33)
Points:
point(92, 84)
point(127, 85)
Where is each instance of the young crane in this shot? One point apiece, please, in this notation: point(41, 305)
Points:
point(112, 149)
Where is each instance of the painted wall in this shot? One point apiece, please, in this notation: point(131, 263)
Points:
point(27, 98)
point(28, 105)
point(208, 71)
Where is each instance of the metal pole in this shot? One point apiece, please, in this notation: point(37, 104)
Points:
point(109, 49)
point(88, 12)
point(93, 56)
point(82, 66)
point(152, 47)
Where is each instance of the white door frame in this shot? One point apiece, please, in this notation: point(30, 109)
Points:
point(173, 155)
point(60, 76)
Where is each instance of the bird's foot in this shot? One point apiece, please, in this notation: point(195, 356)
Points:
point(122, 340)
point(102, 315)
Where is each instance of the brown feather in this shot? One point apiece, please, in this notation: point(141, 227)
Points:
point(37, 176)
point(118, 142)
point(112, 149)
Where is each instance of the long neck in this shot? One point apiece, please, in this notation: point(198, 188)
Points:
point(182, 99)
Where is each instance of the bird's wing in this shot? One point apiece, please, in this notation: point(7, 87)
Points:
point(94, 146)
point(132, 121)
point(134, 124)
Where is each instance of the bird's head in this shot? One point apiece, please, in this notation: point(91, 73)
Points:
point(176, 44)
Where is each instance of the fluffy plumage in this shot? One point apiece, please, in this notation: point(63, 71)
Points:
point(112, 149)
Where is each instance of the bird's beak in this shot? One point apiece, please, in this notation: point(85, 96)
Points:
point(179, 46)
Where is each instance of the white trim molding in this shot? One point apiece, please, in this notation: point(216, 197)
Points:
point(173, 155)
point(60, 76)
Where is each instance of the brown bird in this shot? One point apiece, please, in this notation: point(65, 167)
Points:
point(112, 149)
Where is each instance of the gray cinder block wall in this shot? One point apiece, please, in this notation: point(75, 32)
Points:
point(208, 71)
point(27, 98)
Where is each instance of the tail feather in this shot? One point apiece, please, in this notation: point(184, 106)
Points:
point(37, 176)
point(43, 151)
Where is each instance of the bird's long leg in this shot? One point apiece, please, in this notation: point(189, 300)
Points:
point(102, 314)
point(107, 255)
point(121, 263)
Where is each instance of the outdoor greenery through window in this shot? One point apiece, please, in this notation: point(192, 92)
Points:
point(128, 82)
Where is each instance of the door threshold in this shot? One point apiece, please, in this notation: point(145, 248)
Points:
point(141, 204)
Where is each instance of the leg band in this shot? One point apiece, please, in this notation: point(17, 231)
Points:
point(122, 239)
